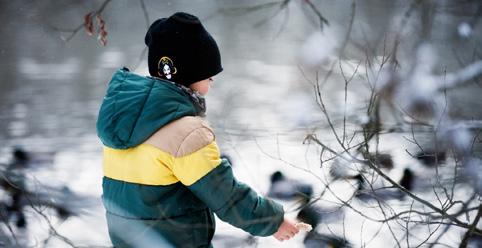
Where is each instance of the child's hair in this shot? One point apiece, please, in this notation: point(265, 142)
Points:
point(181, 50)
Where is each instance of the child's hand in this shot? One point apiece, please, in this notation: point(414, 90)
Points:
point(286, 231)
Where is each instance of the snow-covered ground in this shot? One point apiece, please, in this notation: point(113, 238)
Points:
point(260, 140)
point(254, 161)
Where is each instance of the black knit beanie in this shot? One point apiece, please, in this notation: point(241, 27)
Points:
point(181, 50)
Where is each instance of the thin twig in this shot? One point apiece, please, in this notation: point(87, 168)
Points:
point(323, 20)
point(75, 30)
point(472, 227)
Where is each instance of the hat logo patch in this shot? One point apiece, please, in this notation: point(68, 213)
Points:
point(165, 68)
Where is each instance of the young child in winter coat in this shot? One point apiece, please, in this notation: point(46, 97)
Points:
point(163, 175)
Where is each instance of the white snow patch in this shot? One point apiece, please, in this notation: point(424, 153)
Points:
point(464, 29)
point(462, 139)
point(318, 48)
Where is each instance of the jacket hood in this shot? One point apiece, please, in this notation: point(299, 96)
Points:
point(135, 107)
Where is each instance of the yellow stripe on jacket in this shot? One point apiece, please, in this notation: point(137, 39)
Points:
point(143, 164)
point(184, 151)
point(188, 169)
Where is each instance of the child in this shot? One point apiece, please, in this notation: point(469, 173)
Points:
point(163, 175)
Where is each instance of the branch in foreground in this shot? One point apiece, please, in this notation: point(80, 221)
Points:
point(89, 16)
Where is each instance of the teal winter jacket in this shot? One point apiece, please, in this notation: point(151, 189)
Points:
point(163, 175)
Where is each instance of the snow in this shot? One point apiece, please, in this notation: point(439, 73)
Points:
point(275, 143)
point(318, 48)
point(464, 29)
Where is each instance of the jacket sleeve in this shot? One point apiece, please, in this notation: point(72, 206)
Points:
point(211, 179)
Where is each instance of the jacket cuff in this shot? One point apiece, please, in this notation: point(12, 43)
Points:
point(278, 219)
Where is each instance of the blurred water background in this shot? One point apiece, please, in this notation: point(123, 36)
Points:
point(261, 106)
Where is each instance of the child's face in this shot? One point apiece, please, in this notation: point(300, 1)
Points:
point(202, 86)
